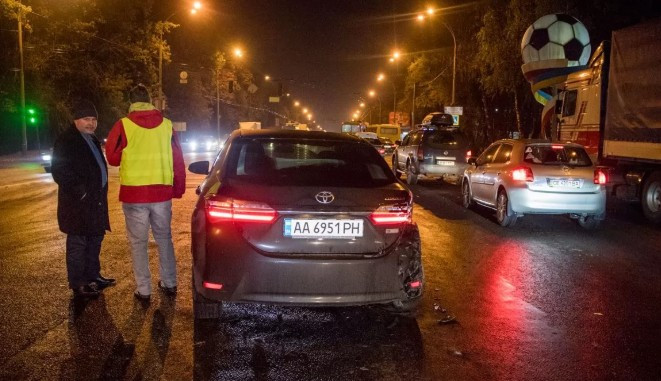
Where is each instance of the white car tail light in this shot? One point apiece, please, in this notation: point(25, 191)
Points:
point(600, 176)
point(523, 174)
point(239, 211)
point(391, 215)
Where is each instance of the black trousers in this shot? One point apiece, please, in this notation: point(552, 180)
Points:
point(83, 264)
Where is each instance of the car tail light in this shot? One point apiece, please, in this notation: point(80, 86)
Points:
point(557, 147)
point(239, 211)
point(421, 153)
point(600, 176)
point(382, 151)
point(391, 215)
point(415, 284)
point(523, 174)
point(469, 154)
point(213, 286)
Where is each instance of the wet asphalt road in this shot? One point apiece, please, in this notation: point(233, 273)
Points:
point(542, 300)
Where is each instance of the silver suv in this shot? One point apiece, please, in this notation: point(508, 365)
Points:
point(433, 153)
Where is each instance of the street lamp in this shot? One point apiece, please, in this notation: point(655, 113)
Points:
point(164, 26)
point(382, 77)
point(267, 77)
point(430, 11)
point(373, 94)
point(238, 52)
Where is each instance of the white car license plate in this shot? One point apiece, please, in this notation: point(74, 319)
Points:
point(565, 183)
point(304, 228)
point(445, 162)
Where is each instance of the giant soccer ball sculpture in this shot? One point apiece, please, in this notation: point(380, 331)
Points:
point(556, 36)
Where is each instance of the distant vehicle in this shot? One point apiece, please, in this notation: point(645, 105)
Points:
point(435, 153)
point(302, 127)
point(200, 143)
point(353, 127)
point(518, 177)
point(388, 146)
point(388, 131)
point(303, 218)
point(46, 157)
point(366, 135)
point(613, 107)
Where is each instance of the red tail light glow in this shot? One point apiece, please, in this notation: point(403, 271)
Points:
point(382, 151)
point(213, 286)
point(600, 176)
point(523, 174)
point(415, 284)
point(469, 154)
point(391, 215)
point(240, 211)
point(557, 147)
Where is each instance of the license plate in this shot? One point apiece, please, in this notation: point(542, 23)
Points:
point(327, 228)
point(565, 183)
point(445, 162)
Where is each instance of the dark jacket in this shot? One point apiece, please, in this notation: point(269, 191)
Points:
point(82, 204)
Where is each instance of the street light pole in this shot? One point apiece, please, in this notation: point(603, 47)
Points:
point(24, 138)
point(454, 60)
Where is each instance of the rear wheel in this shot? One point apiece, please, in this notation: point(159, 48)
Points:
point(467, 200)
point(651, 198)
point(411, 176)
point(588, 222)
point(504, 216)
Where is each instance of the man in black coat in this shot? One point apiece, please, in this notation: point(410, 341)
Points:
point(80, 170)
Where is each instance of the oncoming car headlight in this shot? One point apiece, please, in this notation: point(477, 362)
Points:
point(46, 157)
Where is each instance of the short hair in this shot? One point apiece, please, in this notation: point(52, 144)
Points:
point(139, 94)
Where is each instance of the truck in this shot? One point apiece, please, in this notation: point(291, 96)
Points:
point(613, 108)
point(250, 125)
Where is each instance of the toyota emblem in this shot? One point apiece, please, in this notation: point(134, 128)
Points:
point(324, 197)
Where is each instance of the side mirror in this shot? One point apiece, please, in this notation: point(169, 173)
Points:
point(472, 161)
point(398, 142)
point(199, 167)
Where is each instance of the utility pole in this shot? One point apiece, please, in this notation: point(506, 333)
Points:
point(24, 138)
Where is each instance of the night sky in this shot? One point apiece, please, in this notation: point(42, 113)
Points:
point(324, 51)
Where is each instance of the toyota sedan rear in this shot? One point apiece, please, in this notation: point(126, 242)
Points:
point(303, 219)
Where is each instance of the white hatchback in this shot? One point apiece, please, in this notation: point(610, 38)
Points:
point(518, 177)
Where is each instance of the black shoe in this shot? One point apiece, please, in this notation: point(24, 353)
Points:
point(141, 297)
point(102, 279)
point(171, 291)
point(86, 291)
point(102, 282)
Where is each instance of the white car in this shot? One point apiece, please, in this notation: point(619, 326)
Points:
point(518, 177)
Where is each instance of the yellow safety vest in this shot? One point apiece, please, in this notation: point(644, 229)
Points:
point(147, 158)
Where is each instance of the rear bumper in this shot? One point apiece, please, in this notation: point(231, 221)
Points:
point(435, 170)
point(523, 200)
point(249, 276)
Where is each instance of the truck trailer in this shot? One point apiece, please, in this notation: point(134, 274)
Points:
point(613, 108)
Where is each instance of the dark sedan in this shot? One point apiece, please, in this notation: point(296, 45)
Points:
point(303, 218)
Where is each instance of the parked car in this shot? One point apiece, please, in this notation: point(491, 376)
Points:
point(432, 152)
point(518, 177)
point(303, 218)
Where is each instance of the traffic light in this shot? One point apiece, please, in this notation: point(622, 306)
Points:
point(32, 115)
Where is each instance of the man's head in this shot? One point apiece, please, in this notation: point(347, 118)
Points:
point(139, 94)
point(84, 116)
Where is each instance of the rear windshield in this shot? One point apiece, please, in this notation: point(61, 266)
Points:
point(558, 154)
point(445, 139)
point(306, 162)
point(389, 131)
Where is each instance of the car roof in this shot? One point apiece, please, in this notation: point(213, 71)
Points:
point(297, 134)
point(535, 141)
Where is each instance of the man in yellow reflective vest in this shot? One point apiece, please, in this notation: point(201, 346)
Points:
point(151, 173)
